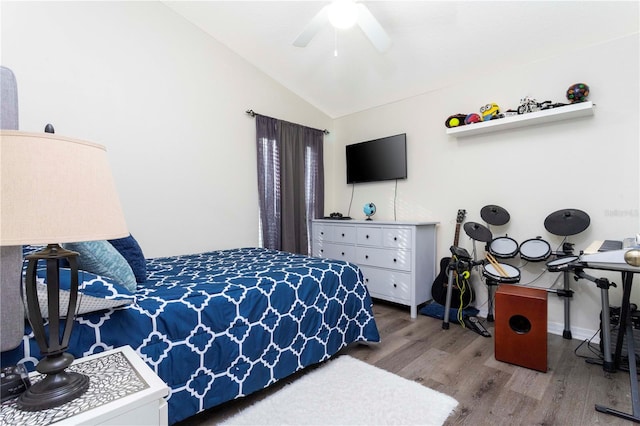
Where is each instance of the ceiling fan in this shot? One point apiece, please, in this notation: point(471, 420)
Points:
point(344, 14)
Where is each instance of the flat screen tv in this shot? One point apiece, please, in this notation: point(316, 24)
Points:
point(377, 160)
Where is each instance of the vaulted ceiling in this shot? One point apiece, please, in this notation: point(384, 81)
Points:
point(434, 43)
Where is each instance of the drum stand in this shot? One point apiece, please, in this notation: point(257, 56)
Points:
point(460, 262)
point(567, 293)
point(491, 293)
point(453, 266)
point(564, 223)
point(491, 285)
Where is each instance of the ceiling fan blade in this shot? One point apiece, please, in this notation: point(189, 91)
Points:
point(372, 28)
point(312, 28)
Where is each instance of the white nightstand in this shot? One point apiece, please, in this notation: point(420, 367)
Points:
point(123, 390)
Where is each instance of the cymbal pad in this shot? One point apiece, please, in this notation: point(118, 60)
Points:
point(567, 222)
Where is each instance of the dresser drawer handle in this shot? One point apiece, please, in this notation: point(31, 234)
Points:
point(343, 234)
point(395, 238)
point(343, 253)
point(395, 260)
point(366, 256)
point(395, 285)
point(367, 237)
point(321, 233)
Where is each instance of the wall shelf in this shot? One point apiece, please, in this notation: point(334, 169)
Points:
point(582, 109)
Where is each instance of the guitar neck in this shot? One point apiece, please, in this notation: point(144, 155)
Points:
point(457, 236)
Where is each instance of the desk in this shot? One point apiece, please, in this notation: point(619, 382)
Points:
point(614, 261)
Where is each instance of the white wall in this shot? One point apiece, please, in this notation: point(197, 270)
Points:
point(591, 163)
point(166, 100)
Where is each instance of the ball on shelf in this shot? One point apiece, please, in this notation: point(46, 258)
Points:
point(577, 93)
point(455, 120)
point(472, 118)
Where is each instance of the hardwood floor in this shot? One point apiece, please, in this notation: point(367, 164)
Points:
point(461, 363)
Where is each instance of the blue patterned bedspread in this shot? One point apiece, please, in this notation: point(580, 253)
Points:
point(219, 325)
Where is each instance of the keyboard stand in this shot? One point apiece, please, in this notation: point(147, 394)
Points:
point(603, 284)
point(627, 326)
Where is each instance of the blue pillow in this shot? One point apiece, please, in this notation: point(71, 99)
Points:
point(101, 258)
point(129, 248)
point(96, 293)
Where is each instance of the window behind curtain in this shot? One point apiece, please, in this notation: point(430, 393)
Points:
point(290, 183)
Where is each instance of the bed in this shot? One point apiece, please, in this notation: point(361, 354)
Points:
point(219, 325)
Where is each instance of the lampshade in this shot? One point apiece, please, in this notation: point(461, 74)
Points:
point(55, 189)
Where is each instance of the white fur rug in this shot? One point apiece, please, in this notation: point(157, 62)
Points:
point(346, 391)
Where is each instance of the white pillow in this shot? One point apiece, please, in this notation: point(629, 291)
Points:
point(95, 293)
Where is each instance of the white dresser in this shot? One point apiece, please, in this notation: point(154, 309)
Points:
point(398, 259)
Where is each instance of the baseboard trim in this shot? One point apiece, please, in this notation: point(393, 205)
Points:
point(577, 333)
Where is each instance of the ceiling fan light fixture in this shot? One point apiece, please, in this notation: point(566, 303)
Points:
point(343, 14)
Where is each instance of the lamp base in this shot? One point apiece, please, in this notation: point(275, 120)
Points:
point(53, 390)
point(58, 386)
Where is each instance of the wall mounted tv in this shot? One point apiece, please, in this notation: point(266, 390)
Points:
point(377, 160)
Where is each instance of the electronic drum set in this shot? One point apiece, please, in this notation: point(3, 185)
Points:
point(562, 223)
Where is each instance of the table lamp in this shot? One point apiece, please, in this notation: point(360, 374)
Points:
point(54, 190)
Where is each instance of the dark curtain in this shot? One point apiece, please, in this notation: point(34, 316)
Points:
point(268, 181)
point(290, 182)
